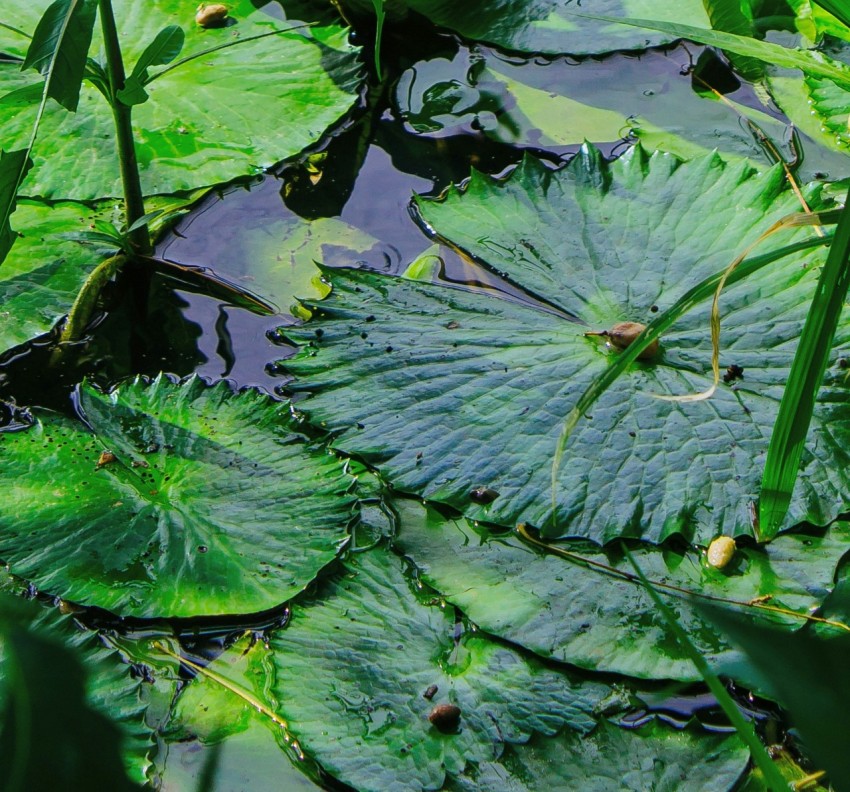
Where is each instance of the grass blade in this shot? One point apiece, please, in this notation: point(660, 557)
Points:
point(804, 381)
point(744, 728)
point(380, 14)
point(810, 62)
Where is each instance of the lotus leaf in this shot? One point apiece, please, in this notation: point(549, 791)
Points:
point(182, 500)
point(447, 390)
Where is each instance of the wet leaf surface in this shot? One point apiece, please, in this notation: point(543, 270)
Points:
point(214, 503)
point(446, 390)
point(352, 668)
point(567, 611)
point(211, 120)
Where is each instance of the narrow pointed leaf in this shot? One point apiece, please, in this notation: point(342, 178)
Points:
point(836, 8)
point(13, 168)
point(804, 381)
point(60, 46)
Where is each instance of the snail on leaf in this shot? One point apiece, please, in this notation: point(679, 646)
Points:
point(623, 334)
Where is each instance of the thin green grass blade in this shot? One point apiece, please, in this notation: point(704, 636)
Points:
point(699, 293)
point(379, 29)
point(745, 730)
point(804, 381)
point(814, 63)
point(838, 8)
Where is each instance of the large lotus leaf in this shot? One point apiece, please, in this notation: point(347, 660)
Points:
point(630, 760)
point(581, 615)
point(447, 390)
point(213, 505)
point(44, 271)
point(551, 26)
point(224, 115)
point(353, 667)
point(113, 688)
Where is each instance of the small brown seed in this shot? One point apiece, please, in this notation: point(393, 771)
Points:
point(445, 717)
point(720, 551)
point(213, 15)
point(430, 692)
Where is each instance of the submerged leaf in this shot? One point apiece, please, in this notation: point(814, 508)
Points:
point(353, 668)
point(447, 390)
point(212, 504)
point(551, 26)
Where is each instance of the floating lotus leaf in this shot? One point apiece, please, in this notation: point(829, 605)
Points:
point(213, 503)
point(550, 26)
point(95, 684)
point(447, 391)
point(580, 614)
point(223, 115)
point(360, 669)
point(652, 757)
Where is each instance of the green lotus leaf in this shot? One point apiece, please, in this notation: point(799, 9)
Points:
point(447, 390)
point(550, 26)
point(226, 114)
point(353, 668)
point(651, 757)
point(580, 614)
point(44, 271)
point(96, 683)
point(213, 504)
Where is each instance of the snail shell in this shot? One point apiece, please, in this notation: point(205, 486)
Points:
point(622, 334)
point(106, 458)
point(720, 551)
point(445, 717)
point(211, 15)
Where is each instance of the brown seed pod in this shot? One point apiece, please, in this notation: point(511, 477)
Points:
point(720, 551)
point(445, 717)
point(209, 16)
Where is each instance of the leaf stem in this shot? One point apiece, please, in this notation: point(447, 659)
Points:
point(85, 301)
point(134, 204)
